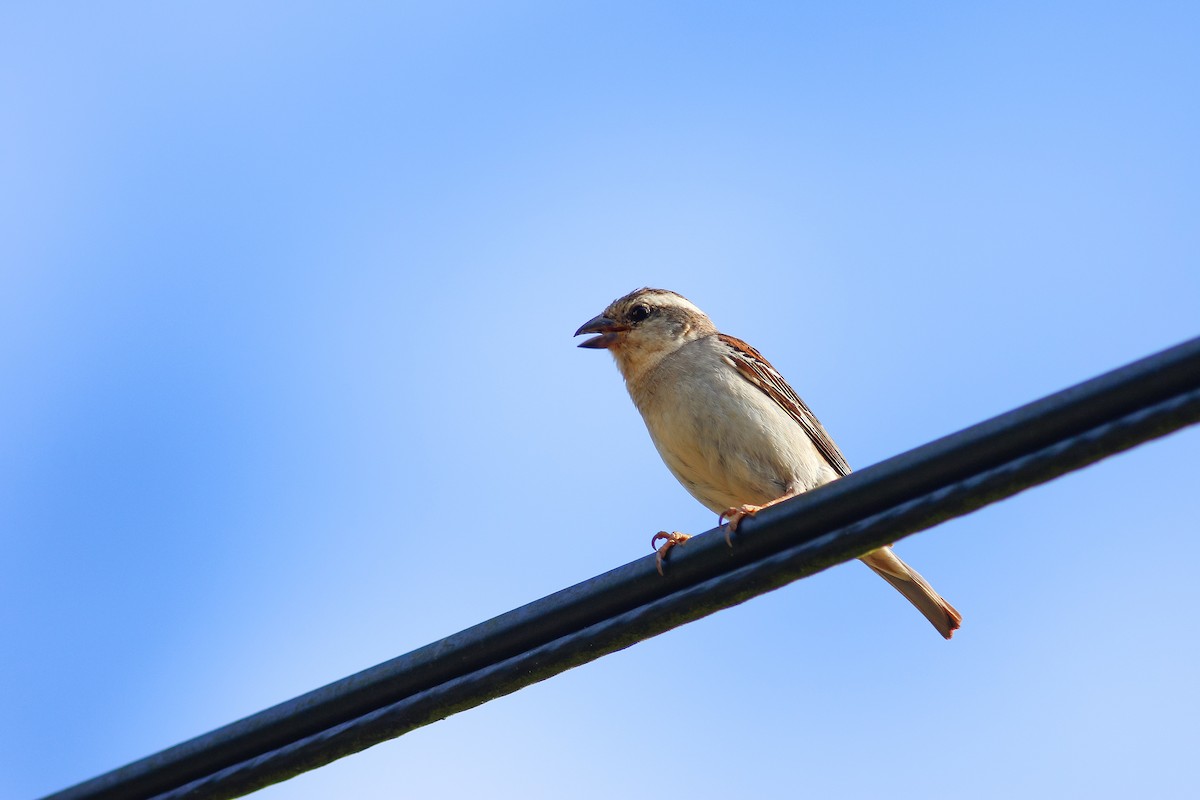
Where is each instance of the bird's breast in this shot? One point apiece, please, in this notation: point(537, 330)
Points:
point(727, 442)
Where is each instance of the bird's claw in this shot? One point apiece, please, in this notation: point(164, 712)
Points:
point(735, 516)
point(670, 540)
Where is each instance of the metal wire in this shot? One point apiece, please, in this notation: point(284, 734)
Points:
point(835, 523)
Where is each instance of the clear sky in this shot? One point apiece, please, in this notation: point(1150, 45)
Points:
point(289, 388)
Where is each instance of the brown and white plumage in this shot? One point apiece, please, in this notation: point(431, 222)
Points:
point(727, 424)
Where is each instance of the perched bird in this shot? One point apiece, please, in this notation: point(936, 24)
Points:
point(728, 426)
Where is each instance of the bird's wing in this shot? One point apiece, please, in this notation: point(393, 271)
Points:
point(756, 369)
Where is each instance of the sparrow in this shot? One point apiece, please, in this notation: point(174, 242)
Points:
point(728, 426)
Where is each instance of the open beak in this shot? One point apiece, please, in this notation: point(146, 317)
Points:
point(607, 328)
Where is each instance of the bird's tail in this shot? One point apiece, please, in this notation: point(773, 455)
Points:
point(910, 584)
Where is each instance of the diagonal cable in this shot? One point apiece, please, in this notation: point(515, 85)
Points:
point(877, 505)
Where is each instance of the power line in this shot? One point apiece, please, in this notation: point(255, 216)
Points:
point(837, 522)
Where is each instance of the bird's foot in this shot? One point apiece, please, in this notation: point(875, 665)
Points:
point(670, 540)
point(735, 516)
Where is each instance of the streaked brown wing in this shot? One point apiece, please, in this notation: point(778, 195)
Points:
point(758, 371)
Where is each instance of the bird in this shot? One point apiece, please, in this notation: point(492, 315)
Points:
point(730, 429)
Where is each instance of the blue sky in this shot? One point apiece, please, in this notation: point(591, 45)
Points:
point(286, 302)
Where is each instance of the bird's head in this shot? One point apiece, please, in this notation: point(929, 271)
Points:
point(642, 327)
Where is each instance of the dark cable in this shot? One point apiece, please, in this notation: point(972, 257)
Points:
point(834, 523)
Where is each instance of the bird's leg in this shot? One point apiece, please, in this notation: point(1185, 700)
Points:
point(671, 539)
point(736, 514)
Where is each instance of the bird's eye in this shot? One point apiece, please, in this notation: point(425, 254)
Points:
point(639, 313)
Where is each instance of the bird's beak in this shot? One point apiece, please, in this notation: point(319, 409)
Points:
point(607, 328)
